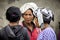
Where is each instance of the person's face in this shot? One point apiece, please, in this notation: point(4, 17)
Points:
point(28, 16)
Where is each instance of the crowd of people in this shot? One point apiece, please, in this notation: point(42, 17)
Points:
point(35, 26)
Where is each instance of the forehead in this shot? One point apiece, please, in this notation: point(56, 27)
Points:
point(28, 11)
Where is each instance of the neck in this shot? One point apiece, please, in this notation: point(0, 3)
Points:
point(13, 23)
point(45, 26)
point(28, 24)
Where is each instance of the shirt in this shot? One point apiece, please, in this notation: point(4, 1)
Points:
point(47, 34)
point(34, 33)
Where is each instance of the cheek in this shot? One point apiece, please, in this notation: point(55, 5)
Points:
point(24, 17)
point(32, 17)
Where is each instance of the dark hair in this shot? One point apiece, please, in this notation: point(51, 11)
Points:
point(31, 11)
point(45, 20)
point(13, 14)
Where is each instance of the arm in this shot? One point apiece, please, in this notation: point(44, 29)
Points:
point(1, 34)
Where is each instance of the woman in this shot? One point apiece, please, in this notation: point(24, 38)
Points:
point(28, 16)
point(47, 32)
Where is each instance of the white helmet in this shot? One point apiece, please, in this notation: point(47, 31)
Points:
point(26, 6)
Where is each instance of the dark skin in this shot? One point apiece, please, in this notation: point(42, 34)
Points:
point(36, 22)
point(28, 18)
point(45, 26)
point(14, 23)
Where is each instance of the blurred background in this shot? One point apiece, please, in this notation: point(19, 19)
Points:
point(54, 5)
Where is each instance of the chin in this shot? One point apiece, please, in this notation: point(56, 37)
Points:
point(28, 22)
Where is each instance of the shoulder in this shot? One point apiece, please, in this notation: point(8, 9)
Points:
point(24, 32)
point(2, 31)
point(49, 32)
point(23, 29)
point(38, 30)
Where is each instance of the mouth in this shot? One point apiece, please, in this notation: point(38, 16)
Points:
point(28, 20)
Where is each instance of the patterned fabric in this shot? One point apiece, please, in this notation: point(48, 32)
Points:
point(47, 34)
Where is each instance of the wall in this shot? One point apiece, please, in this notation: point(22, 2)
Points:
point(52, 4)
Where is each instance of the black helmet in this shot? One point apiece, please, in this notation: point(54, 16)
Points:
point(47, 15)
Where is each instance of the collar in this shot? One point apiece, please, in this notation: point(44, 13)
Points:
point(10, 33)
point(27, 27)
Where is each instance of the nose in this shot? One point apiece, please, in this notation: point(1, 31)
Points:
point(28, 16)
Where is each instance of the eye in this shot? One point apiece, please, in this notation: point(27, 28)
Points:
point(30, 14)
point(25, 14)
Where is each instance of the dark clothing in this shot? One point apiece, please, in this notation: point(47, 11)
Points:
point(27, 27)
point(14, 33)
point(58, 36)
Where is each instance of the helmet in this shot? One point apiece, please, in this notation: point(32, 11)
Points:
point(30, 5)
point(44, 16)
point(47, 15)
